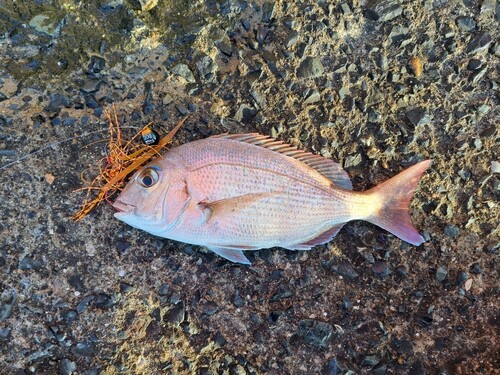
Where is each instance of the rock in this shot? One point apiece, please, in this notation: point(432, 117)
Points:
point(143, 5)
point(479, 42)
point(70, 316)
point(205, 67)
point(474, 64)
point(476, 269)
point(314, 97)
point(417, 368)
point(441, 274)
point(451, 230)
point(7, 301)
point(315, 332)
point(268, 11)
point(381, 269)
point(28, 264)
point(84, 303)
point(237, 300)
point(310, 67)
point(462, 277)
point(282, 293)
point(183, 71)
point(418, 116)
point(122, 246)
point(104, 301)
point(219, 339)
point(175, 314)
point(83, 349)
point(383, 10)
point(371, 360)
point(4, 333)
point(210, 308)
point(57, 101)
point(345, 269)
point(332, 367)
point(47, 24)
point(465, 23)
point(67, 367)
point(245, 113)
point(96, 64)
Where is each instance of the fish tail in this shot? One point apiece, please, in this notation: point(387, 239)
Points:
point(394, 196)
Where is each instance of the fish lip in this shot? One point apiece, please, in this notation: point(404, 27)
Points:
point(123, 207)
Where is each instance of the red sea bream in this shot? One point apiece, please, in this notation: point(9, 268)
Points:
point(240, 192)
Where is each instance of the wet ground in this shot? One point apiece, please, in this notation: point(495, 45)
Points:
point(376, 85)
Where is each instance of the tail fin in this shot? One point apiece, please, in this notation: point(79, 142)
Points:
point(396, 195)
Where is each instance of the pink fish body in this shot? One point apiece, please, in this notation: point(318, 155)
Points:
point(240, 192)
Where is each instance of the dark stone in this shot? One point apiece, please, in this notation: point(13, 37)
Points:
point(474, 64)
point(91, 103)
point(465, 23)
point(315, 332)
point(282, 293)
point(122, 246)
point(476, 269)
point(210, 308)
point(163, 290)
point(27, 264)
point(175, 314)
point(451, 230)
point(371, 360)
point(345, 269)
point(68, 121)
point(381, 269)
point(479, 42)
point(332, 367)
point(55, 121)
point(441, 274)
point(57, 101)
point(462, 277)
point(418, 116)
point(104, 301)
point(91, 85)
point(70, 316)
point(379, 370)
point(310, 67)
point(417, 368)
point(383, 10)
point(67, 367)
point(219, 339)
point(267, 12)
point(84, 304)
point(405, 347)
point(423, 321)
point(83, 349)
point(96, 64)
point(4, 333)
point(237, 300)
point(245, 113)
point(76, 281)
point(182, 109)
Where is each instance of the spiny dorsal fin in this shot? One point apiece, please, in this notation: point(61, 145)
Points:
point(328, 168)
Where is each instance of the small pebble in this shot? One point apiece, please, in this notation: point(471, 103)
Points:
point(441, 274)
point(315, 332)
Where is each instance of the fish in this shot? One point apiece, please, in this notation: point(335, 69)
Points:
point(238, 192)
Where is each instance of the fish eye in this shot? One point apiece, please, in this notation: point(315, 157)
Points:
point(148, 177)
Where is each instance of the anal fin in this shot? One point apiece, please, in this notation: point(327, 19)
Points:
point(234, 255)
point(324, 237)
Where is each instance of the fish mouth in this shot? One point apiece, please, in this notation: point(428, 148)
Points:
point(123, 207)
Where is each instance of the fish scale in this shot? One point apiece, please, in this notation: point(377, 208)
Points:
point(232, 193)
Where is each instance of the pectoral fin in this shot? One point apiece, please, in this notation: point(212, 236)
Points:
point(226, 207)
point(234, 255)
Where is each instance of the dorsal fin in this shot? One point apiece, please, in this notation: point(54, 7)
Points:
point(328, 168)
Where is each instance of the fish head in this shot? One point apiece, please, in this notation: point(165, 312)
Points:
point(144, 202)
